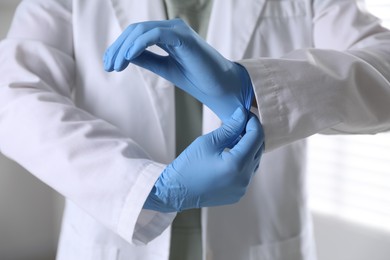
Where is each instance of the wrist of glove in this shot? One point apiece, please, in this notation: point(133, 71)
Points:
point(206, 173)
point(247, 87)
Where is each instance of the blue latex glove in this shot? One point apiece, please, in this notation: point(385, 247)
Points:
point(206, 174)
point(192, 64)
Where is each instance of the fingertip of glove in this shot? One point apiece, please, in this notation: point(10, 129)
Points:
point(107, 65)
point(239, 114)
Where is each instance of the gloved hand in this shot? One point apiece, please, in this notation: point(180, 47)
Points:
point(206, 174)
point(192, 64)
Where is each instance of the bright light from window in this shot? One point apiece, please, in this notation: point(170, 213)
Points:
point(349, 177)
point(381, 9)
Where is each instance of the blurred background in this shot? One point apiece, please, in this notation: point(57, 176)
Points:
point(348, 182)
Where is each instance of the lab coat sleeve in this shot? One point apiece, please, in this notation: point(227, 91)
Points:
point(84, 158)
point(341, 86)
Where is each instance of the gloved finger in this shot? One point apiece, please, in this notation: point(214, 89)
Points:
point(231, 145)
point(229, 131)
point(112, 51)
point(156, 36)
point(256, 168)
point(122, 66)
point(127, 37)
point(259, 152)
point(153, 62)
point(250, 143)
point(136, 39)
point(258, 157)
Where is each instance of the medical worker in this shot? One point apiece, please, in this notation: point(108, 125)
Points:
point(111, 142)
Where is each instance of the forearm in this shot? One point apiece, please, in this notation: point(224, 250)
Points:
point(342, 86)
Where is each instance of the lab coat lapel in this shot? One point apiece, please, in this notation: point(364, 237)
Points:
point(160, 90)
point(232, 24)
point(134, 11)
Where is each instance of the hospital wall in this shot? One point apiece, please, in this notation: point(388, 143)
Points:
point(30, 213)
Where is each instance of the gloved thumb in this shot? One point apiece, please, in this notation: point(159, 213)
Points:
point(230, 130)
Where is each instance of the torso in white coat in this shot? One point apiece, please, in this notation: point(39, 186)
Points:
point(107, 168)
point(271, 221)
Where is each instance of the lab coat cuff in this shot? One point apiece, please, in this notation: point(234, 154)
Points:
point(137, 225)
point(272, 102)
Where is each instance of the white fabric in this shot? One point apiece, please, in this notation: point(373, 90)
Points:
point(101, 139)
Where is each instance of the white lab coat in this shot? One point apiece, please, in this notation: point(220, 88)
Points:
point(102, 139)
